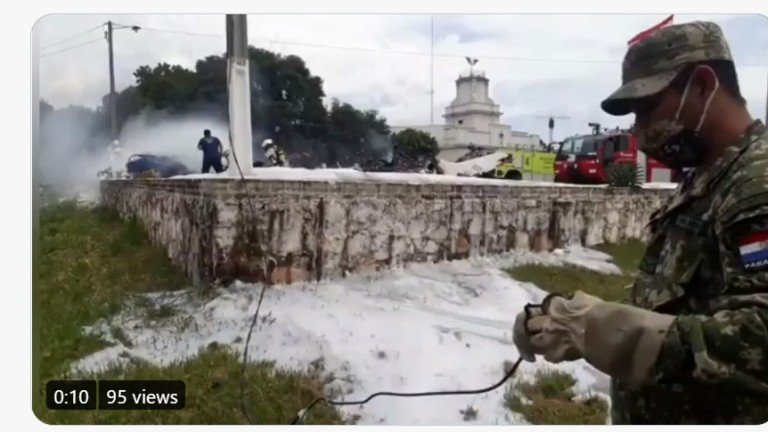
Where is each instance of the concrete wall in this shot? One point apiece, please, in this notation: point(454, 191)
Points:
point(292, 230)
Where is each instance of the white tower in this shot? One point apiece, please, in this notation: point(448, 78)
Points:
point(472, 107)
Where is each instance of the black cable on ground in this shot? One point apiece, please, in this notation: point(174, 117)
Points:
point(303, 413)
point(255, 319)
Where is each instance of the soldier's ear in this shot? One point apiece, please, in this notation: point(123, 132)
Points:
point(704, 80)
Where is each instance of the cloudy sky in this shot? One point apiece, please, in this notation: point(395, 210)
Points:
point(537, 64)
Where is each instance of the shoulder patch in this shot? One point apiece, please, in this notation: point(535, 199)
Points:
point(753, 249)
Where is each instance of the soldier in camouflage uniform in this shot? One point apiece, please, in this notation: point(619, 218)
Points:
point(691, 346)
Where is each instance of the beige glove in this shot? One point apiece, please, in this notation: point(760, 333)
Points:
point(619, 340)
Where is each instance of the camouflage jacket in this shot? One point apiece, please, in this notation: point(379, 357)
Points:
point(707, 263)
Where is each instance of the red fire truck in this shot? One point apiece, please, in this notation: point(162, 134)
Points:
point(584, 159)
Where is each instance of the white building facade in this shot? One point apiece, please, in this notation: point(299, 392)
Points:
point(473, 119)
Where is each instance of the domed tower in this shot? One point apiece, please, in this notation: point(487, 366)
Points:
point(472, 107)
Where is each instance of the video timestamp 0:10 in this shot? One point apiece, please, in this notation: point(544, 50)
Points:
point(115, 395)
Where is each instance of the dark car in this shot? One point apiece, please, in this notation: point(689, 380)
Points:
point(160, 166)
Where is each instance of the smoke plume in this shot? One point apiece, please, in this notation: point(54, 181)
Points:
point(75, 146)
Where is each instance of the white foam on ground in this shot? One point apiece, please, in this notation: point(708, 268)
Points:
point(352, 175)
point(588, 258)
point(660, 185)
point(428, 327)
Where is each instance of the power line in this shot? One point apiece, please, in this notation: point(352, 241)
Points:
point(72, 47)
point(182, 32)
point(401, 52)
point(71, 37)
point(388, 51)
point(412, 53)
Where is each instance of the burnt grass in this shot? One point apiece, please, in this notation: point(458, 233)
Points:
point(89, 263)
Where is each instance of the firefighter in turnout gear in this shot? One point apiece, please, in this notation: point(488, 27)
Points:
point(690, 346)
point(273, 153)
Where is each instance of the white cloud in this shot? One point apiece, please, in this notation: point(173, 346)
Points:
point(398, 84)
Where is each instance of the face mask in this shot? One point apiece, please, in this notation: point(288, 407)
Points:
point(671, 143)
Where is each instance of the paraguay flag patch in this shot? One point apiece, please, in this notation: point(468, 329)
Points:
point(754, 251)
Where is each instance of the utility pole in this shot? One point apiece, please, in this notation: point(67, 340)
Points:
point(111, 27)
point(432, 70)
point(238, 89)
point(551, 124)
point(112, 98)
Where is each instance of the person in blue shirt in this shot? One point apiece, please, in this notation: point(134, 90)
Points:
point(212, 148)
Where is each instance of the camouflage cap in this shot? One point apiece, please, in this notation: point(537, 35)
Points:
point(651, 64)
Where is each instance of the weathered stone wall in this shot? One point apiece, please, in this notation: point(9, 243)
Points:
point(293, 230)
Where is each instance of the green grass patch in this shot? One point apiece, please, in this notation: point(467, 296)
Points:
point(273, 395)
point(548, 399)
point(626, 255)
point(90, 264)
point(89, 261)
point(568, 279)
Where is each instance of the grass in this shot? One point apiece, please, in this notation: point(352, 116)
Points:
point(90, 262)
point(212, 380)
point(626, 255)
point(568, 279)
point(549, 400)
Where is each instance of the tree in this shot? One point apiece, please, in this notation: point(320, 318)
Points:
point(416, 142)
point(127, 105)
point(286, 99)
point(45, 110)
point(356, 134)
point(166, 87)
point(296, 96)
point(212, 80)
point(286, 105)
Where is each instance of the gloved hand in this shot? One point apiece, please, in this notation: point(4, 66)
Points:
point(619, 340)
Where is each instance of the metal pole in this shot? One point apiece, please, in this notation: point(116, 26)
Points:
point(230, 35)
point(766, 106)
point(432, 70)
point(471, 82)
point(112, 98)
point(551, 128)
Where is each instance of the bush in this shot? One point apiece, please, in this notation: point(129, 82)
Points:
point(625, 175)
